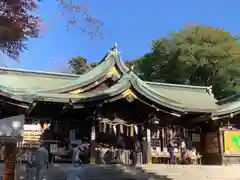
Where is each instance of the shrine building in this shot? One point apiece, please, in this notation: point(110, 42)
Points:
point(110, 103)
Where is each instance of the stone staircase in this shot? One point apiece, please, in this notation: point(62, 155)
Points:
point(146, 172)
point(193, 172)
point(155, 172)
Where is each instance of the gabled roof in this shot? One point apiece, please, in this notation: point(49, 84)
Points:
point(229, 107)
point(191, 96)
point(30, 86)
point(19, 80)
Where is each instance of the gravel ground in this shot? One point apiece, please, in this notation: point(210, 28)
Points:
point(148, 172)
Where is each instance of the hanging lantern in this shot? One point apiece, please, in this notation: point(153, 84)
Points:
point(154, 120)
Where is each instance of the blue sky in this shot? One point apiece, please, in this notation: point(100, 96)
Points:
point(131, 23)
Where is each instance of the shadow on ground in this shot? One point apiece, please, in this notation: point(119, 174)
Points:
point(116, 172)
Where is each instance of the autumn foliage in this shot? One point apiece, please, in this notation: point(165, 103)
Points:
point(17, 25)
point(19, 22)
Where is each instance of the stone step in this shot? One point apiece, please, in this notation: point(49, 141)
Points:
point(179, 172)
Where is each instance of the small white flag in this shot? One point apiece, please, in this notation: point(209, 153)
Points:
point(114, 129)
point(136, 129)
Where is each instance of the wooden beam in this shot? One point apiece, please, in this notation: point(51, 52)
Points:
point(32, 106)
point(15, 104)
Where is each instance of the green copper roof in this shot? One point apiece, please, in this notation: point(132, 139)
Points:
point(228, 106)
point(114, 90)
point(30, 85)
point(190, 96)
point(22, 80)
point(17, 80)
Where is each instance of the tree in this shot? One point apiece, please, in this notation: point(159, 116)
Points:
point(196, 55)
point(131, 64)
point(79, 65)
point(18, 23)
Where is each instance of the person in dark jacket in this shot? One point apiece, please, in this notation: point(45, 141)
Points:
point(171, 151)
point(144, 149)
point(121, 146)
point(136, 149)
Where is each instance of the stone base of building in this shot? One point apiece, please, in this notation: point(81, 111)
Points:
point(218, 159)
point(230, 159)
point(212, 159)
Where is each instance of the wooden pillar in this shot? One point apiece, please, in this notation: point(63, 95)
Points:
point(221, 144)
point(149, 158)
point(10, 157)
point(93, 144)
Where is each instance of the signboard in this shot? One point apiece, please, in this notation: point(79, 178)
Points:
point(31, 132)
point(53, 148)
point(196, 137)
point(232, 141)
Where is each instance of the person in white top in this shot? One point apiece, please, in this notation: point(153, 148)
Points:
point(182, 148)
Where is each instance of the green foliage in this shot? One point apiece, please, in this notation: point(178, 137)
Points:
point(131, 64)
point(196, 55)
point(79, 65)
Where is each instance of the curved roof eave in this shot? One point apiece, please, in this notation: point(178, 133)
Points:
point(156, 98)
point(143, 88)
point(109, 93)
point(113, 91)
point(15, 97)
point(90, 77)
point(232, 106)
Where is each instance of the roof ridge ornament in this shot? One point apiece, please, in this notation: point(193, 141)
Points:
point(115, 45)
point(115, 48)
point(209, 91)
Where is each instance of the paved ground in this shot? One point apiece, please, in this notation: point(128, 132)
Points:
point(148, 172)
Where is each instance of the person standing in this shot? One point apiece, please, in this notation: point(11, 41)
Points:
point(171, 151)
point(41, 161)
point(183, 149)
point(136, 149)
point(75, 155)
point(144, 149)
